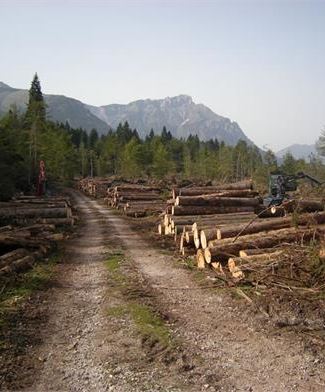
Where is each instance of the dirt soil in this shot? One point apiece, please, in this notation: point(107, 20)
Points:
point(78, 345)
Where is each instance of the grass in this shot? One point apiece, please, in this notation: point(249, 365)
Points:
point(14, 291)
point(113, 262)
point(148, 323)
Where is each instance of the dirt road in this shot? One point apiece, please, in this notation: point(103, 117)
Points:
point(218, 347)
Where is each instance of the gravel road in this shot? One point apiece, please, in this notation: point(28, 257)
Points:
point(221, 349)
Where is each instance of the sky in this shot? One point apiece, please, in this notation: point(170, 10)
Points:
point(260, 63)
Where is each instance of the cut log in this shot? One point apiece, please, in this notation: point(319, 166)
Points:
point(212, 200)
point(135, 213)
point(246, 193)
point(227, 248)
point(207, 235)
point(253, 252)
point(19, 265)
point(207, 210)
point(58, 221)
point(303, 205)
point(139, 197)
point(9, 257)
point(211, 189)
point(272, 212)
point(273, 224)
point(200, 259)
point(239, 265)
point(189, 238)
point(222, 219)
point(15, 212)
point(136, 189)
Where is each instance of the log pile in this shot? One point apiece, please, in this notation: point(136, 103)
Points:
point(219, 225)
point(33, 227)
point(95, 186)
point(257, 252)
point(196, 208)
point(31, 209)
point(136, 200)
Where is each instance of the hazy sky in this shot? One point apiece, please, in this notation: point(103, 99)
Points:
point(260, 63)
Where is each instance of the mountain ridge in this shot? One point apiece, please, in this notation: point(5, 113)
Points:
point(298, 151)
point(180, 114)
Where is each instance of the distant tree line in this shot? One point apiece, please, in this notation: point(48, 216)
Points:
point(27, 138)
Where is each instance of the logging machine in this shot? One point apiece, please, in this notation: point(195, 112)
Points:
point(280, 183)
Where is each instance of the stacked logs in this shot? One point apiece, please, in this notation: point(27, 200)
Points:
point(259, 247)
point(94, 186)
point(21, 246)
point(221, 226)
point(196, 208)
point(31, 209)
point(136, 200)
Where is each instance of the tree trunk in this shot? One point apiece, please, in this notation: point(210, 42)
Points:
point(19, 265)
point(200, 259)
point(242, 185)
point(208, 210)
point(253, 252)
point(207, 235)
point(273, 224)
point(212, 200)
point(139, 197)
point(9, 257)
point(135, 189)
point(14, 212)
point(239, 265)
point(226, 249)
point(303, 205)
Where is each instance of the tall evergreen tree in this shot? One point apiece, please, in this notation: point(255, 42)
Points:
point(36, 108)
point(35, 119)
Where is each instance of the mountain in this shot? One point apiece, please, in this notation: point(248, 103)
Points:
point(59, 108)
point(180, 115)
point(298, 151)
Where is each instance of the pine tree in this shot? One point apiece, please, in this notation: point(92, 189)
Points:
point(36, 108)
point(35, 123)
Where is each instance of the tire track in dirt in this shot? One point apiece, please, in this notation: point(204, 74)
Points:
point(83, 349)
point(228, 353)
point(72, 349)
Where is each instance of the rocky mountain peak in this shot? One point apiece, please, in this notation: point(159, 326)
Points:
point(4, 86)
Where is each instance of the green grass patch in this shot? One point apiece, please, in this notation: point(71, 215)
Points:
point(188, 263)
point(15, 290)
point(113, 262)
point(18, 289)
point(149, 324)
point(118, 311)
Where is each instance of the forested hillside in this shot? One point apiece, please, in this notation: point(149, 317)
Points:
point(26, 139)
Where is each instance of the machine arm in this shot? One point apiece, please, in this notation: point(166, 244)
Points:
point(310, 178)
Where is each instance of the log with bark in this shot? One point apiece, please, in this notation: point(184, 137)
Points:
point(303, 205)
point(256, 251)
point(273, 224)
point(193, 191)
point(139, 197)
point(239, 266)
point(227, 248)
point(212, 200)
point(208, 210)
point(200, 259)
point(39, 212)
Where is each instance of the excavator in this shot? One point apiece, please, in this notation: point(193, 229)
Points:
point(280, 183)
